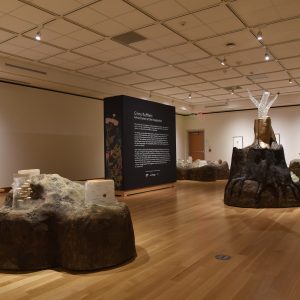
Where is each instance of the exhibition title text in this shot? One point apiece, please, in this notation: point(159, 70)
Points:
point(145, 117)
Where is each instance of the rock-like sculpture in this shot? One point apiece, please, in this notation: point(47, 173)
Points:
point(295, 167)
point(59, 229)
point(259, 176)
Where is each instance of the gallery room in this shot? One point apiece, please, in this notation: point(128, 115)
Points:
point(149, 149)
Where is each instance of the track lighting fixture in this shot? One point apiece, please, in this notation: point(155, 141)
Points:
point(38, 36)
point(259, 36)
point(267, 56)
point(190, 95)
point(223, 62)
point(290, 80)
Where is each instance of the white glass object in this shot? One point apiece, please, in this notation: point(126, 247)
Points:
point(263, 105)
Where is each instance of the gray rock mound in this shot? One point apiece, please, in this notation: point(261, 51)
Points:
point(59, 229)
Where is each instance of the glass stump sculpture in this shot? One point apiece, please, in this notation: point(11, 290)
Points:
point(263, 131)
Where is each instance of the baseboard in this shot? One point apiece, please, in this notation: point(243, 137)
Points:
point(145, 189)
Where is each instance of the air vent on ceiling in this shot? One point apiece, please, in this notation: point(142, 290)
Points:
point(25, 68)
point(232, 88)
point(128, 38)
point(257, 76)
point(217, 104)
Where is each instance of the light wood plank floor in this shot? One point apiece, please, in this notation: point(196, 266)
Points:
point(178, 233)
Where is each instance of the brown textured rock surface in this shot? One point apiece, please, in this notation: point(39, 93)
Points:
point(210, 172)
point(260, 178)
point(62, 231)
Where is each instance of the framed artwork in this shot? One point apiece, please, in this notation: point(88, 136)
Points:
point(277, 136)
point(238, 142)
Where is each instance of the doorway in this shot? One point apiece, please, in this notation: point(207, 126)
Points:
point(196, 144)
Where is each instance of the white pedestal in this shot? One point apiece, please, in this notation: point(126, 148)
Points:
point(100, 191)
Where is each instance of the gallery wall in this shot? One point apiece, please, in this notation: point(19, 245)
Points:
point(220, 128)
point(55, 132)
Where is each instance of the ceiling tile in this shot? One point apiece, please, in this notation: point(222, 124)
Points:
point(47, 49)
point(192, 5)
point(103, 71)
point(277, 84)
point(62, 26)
point(31, 14)
point(214, 92)
point(246, 57)
point(286, 49)
point(14, 24)
point(31, 54)
point(225, 97)
point(233, 82)
point(8, 6)
point(157, 37)
point(86, 16)
point(109, 28)
point(134, 20)
point(183, 80)
point(201, 65)
point(284, 90)
point(4, 35)
point(200, 87)
point(106, 50)
point(295, 73)
point(265, 67)
point(66, 42)
point(152, 85)
point(112, 8)
point(85, 36)
point(218, 45)
point(281, 32)
point(257, 12)
point(23, 42)
point(57, 6)
point(10, 48)
point(190, 27)
point(163, 72)
point(206, 23)
point(179, 53)
point(256, 93)
point(131, 78)
point(170, 91)
point(164, 9)
point(219, 74)
point(138, 63)
point(291, 63)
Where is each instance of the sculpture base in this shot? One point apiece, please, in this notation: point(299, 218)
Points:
point(260, 178)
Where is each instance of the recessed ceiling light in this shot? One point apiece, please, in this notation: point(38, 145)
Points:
point(267, 56)
point(223, 62)
point(183, 108)
point(259, 36)
point(38, 36)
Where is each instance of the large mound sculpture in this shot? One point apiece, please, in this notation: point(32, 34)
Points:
point(49, 221)
point(259, 176)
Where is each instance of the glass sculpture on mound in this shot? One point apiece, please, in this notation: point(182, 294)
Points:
point(259, 176)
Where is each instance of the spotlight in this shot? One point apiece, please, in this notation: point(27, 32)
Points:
point(223, 62)
point(291, 80)
point(38, 36)
point(259, 36)
point(190, 95)
point(232, 92)
point(267, 56)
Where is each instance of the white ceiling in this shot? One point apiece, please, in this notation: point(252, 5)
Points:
point(184, 43)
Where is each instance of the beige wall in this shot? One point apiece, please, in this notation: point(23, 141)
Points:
point(55, 132)
point(221, 127)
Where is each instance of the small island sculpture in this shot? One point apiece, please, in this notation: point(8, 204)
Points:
point(259, 176)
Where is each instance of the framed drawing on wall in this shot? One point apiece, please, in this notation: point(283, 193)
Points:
point(277, 136)
point(238, 142)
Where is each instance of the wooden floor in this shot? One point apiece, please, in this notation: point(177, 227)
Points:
point(178, 234)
